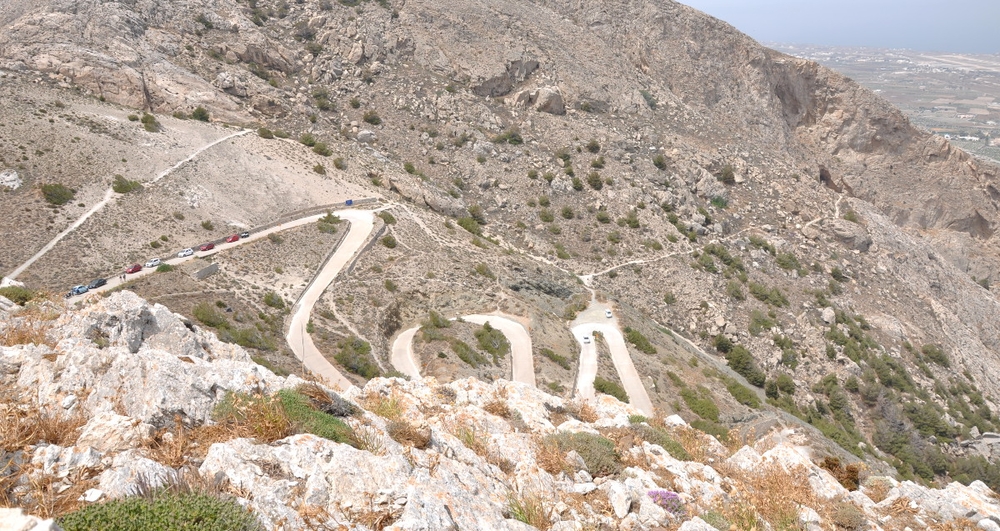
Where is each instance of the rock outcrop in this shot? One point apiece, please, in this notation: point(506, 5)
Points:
point(481, 454)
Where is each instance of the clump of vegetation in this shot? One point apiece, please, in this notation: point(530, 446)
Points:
point(740, 360)
point(772, 296)
point(493, 341)
point(57, 194)
point(559, 359)
point(727, 175)
point(510, 136)
point(162, 510)
point(372, 117)
point(17, 294)
point(322, 149)
point(389, 241)
point(485, 271)
point(201, 114)
point(307, 139)
point(700, 402)
point(608, 387)
point(164, 268)
point(149, 123)
point(274, 300)
point(639, 340)
point(660, 162)
point(598, 452)
point(266, 133)
point(320, 169)
point(122, 185)
point(355, 355)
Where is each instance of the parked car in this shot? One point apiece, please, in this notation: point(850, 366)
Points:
point(233, 238)
point(245, 234)
point(96, 283)
point(77, 290)
point(586, 340)
point(153, 262)
point(207, 247)
point(608, 314)
point(134, 268)
point(186, 252)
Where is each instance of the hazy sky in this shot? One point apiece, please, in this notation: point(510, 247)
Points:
point(969, 26)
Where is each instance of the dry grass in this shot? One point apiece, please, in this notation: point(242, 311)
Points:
point(498, 408)
point(407, 434)
point(50, 497)
point(848, 476)
point(694, 443)
point(877, 489)
point(175, 447)
point(368, 439)
point(549, 457)
point(472, 440)
point(530, 509)
point(22, 423)
point(387, 407)
point(254, 416)
point(772, 493)
point(31, 330)
point(582, 411)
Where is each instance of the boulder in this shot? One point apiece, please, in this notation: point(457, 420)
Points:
point(544, 99)
point(109, 431)
point(696, 524)
point(852, 235)
point(14, 519)
point(366, 136)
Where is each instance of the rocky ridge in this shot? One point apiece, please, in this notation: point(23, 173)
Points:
point(136, 376)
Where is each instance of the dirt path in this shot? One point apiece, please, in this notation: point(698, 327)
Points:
point(522, 358)
point(110, 196)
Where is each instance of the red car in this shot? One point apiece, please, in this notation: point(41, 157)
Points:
point(233, 238)
point(134, 268)
point(207, 247)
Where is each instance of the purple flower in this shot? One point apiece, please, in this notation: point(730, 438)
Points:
point(670, 501)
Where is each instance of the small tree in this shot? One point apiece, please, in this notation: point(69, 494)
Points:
point(200, 114)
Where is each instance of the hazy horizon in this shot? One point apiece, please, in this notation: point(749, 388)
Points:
point(960, 26)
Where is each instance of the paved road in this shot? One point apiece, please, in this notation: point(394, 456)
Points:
point(116, 281)
point(594, 319)
point(522, 359)
point(362, 223)
point(110, 196)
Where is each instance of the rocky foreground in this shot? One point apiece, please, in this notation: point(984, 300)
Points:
point(122, 396)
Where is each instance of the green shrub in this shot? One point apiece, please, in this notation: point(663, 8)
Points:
point(485, 271)
point(320, 169)
point(200, 114)
point(546, 215)
point(593, 146)
point(650, 100)
point(471, 225)
point(307, 139)
point(700, 402)
point(559, 360)
point(510, 136)
point(598, 452)
point(761, 243)
point(274, 300)
point(122, 185)
point(466, 353)
point(609, 387)
point(659, 436)
point(492, 340)
point(133, 117)
point(409, 168)
point(308, 419)
point(208, 315)
point(936, 355)
point(17, 294)
point(639, 341)
point(389, 241)
point(57, 194)
point(322, 149)
point(264, 132)
point(340, 163)
point(594, 180)
point(566, 212)
point(735, 290)
point(355, 356)
point(163, 510)
point(576, 182)
point(727, 175)
point(164, 268)
point(788, 261)
point(742, 393)
point(719, 202)
point(372, 117)
point(603, 217)
point(740, 360)
point(149, 123)
point(772, 296)
point(759, 322)
point(660, 162)
point(785, 384)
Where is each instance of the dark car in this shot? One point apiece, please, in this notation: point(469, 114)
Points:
point(207, 247)
point(245, 234)
point(96, 283)
point(134, 268)
point(233, 238)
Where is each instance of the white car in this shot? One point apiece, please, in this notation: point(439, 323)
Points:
point(153, 262)
point(586, 340)
point(186, 252)
point(608, 314)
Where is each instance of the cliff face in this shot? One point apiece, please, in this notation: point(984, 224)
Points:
point(124, 396)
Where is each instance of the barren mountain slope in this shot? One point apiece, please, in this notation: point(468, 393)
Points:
point(821, 252)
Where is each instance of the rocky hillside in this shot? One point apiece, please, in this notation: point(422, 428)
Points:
point(779, 245)
point(126, 398)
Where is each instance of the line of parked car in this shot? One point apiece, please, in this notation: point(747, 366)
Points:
point(151, 263)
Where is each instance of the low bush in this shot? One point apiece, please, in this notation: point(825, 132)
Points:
point(122, 185)
point(164, 268)
point(700, 402)
point(608, 387)
point(17, 294)
point(57, 194)
point(355, 355)
point(639, 341)
point(559, 360)
point(163, 510)
point(389, 241)
point(742, 393)
point(492, 340)
point(372, 117)
point(740, 360)
point(466, 353)
point(274, 300)
point(510, 136)
point(598, 452)
point(322, 149)
point(201, 114)
point(264, 132)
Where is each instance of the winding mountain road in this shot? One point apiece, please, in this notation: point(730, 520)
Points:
point(594, 319)
point(522, 359)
